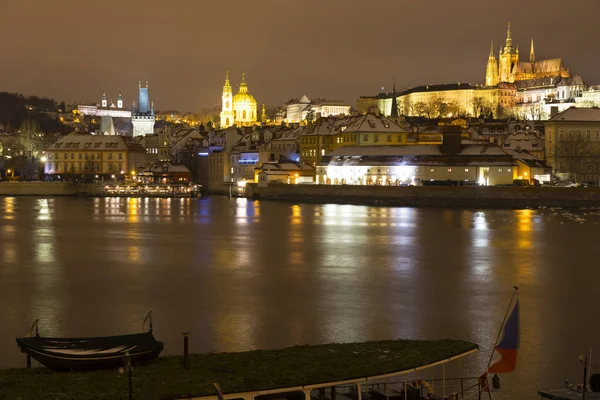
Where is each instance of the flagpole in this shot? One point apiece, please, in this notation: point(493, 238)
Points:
point(516, 289)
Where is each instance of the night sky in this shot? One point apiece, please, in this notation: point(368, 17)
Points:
point(336, 49)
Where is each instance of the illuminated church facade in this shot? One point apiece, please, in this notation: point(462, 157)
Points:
point(239, 110)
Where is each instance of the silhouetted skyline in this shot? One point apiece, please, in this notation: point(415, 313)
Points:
point(73, 50)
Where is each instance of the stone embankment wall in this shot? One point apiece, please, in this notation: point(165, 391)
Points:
point(424, 196)
point(50, 189)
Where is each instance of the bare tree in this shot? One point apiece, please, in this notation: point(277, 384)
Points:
point(535, 112)
point(425, 109)
point(574, 154)
point(482, 107)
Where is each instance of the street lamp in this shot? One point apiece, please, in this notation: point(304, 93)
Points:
point(11, 172)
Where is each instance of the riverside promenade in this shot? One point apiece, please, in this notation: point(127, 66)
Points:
point(514, 197)
point(99, 189)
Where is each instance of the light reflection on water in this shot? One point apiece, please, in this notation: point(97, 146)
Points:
point(241, 274)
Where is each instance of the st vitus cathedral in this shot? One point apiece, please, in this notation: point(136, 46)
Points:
point(508, 69)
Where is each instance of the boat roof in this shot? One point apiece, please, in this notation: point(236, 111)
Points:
point(252, 372)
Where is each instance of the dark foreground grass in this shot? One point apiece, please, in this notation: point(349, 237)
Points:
point(237, 372)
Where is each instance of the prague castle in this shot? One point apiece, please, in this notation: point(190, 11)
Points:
point(239, 110)
point(512, 88)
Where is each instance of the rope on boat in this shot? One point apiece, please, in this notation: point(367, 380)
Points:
point(149, 319)
point(35, 325)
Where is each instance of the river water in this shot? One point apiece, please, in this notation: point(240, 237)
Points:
point(242, 274)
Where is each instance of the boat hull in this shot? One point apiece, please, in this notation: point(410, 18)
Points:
point(83, 354)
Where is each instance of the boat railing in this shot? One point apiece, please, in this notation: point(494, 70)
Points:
point(149, 320)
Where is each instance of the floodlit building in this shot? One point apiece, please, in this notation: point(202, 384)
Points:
point(90, 155)
point(240, 109)
point(298, 110)
point(106, 108)
point(425, 164)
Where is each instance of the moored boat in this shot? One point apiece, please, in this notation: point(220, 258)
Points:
point(92, 352)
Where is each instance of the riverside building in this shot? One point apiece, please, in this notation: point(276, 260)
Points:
point(96, 156)
point(486, 164)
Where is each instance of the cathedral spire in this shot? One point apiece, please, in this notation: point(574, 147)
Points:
point(532, 53)
point(492, 50)
point(227, 78)
point(508, 37)
point(263, 116)
point(394, 111)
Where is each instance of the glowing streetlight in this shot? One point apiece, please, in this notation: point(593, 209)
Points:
point(43, 159)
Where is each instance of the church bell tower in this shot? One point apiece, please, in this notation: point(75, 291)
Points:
point(227, 105)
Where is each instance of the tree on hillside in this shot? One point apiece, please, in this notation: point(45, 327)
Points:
point(28, 138)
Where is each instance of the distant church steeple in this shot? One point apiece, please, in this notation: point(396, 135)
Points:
point(532, 53)
point(394, 112)
point(491, 71)
point(104, 101)
point(120, 100)
point(263, 115)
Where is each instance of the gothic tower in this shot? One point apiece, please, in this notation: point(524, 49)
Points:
point(491, 71)
point(120, 100)
point(143, 118)
point(509, 56)
point(263, 115)
point(227, 104)
point(104, 101)
point(532, 54)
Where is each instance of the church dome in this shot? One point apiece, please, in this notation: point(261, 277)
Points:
point(243, 97)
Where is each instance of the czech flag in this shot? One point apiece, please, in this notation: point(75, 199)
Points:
point(508, 346)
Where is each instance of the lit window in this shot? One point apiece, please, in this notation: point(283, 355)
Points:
point(322, 152)
point(499, 169)
point(466, 169)
point(508, 169)
point(432, 170)
point(449, 169)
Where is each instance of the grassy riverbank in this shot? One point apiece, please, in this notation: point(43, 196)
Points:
point(236, 372)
